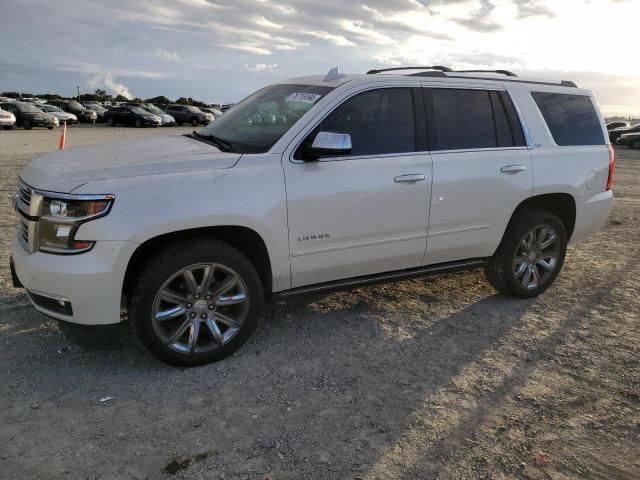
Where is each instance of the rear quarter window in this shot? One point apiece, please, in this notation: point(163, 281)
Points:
point(572, 119)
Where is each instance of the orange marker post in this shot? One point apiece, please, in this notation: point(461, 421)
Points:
point(63, 136)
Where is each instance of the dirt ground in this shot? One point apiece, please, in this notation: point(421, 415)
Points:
point(434, 378)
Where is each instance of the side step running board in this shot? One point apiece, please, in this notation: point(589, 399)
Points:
point(347, 283)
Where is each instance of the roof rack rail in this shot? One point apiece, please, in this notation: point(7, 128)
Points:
point(435, 67)
point(501, 72)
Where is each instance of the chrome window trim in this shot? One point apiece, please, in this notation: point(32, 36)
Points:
point(525, 128)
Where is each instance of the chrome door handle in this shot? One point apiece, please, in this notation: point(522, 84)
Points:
point(513, 169)
point(413, 177)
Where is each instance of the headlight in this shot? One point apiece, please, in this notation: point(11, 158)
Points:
point(61, 219)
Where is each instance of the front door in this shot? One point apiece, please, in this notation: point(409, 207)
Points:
point(367, 212)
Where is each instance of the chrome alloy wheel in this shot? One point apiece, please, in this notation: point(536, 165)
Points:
point(200, 308)
point(536, 256)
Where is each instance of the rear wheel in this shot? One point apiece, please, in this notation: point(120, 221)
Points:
point(196, 302)
point(530, 255)
point(635, 144)
point(110, 122)
point(139, 123)
point(27, 125)
point(195, 122)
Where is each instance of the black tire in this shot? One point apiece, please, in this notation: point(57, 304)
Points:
point(110, 122)
point(139, 123)
point(499, 270)
point(195, 122)
point(50, 128)
point(635, 144)
point(8, 127)
point(179, 123)
point(151, 277)
point(26, 124)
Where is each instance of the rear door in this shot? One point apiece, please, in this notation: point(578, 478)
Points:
point(481, 170)
point(367, 212)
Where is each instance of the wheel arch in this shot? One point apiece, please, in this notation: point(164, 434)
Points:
point(246, 240)
point(562, 205)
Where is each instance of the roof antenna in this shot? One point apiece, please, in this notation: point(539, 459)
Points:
point(333, 74)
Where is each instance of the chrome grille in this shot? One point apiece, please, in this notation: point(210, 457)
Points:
point(25, 194)
point(24, 231)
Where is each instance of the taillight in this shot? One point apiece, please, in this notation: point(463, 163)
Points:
point(612, 162)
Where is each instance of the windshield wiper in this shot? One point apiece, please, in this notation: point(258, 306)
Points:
point(221, 144)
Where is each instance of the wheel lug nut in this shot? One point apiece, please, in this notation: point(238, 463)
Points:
point(208, 297)
point(197, 297)
point(189, 305)
point(203, 315)
point(192, 315)
point(211, 307)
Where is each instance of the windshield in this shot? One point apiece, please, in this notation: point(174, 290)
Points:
point(95, 108)
point(75, 107)
point(27, 108)
point(154, 109)
point(138, 110)
point(52, 108)
point(256, 123)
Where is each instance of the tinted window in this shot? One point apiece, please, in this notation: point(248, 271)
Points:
point(572, 119)
point(463, 119)
point(379, 122)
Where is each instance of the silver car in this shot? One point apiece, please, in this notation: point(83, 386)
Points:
point(7, 119)
point(60, 114)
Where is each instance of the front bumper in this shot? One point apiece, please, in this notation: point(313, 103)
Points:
point(7, 121)
point(42, 122)
point(91, 282)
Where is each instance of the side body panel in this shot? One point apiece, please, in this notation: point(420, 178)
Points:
point(580, 171)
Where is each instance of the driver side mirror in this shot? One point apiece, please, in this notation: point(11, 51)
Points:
point(329, 144)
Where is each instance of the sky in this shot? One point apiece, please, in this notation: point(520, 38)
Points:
point(222, 50)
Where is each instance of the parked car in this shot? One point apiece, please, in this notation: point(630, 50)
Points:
point(213, 111)
point(342, 189)
point(84, 115)
point(7, 119)
point(129, 115)
point(631, 140)
point(614, 125)
point(60, 114)
point(616, 132)
point(226, 107)
point(99, 109)
point(29, 116)
point(167, 120)
point(189, 114)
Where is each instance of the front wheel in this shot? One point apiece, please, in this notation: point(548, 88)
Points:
point(139, 123)
point(635, 144)
point(195, 122)
point(110, 122)
point(530, 255)
point(27, 125)
point(196, 302)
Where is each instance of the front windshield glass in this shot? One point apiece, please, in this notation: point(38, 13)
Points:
point(138, 110)
point(255, 124)
point(52, 108)
point(28, 108)
point(154, 109)
point(75, 107)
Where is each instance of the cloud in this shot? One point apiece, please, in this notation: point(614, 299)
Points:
point(166, 55)
point(532, 8)
point(106, 80)
point(262, 67)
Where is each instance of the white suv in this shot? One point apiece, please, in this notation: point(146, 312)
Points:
point(308, 185)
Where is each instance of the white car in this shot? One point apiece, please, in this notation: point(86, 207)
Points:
point(313, 184)
point(7, 119)
point(59, 114)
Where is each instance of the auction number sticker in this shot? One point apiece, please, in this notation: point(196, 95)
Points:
point(303, 97)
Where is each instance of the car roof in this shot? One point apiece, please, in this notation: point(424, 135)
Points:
point(334, 79)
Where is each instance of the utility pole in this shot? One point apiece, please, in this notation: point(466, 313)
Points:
point(78, 88)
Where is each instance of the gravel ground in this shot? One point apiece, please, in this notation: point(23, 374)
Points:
point(435, 378)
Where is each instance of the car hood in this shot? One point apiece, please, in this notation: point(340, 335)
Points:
point(64, 171)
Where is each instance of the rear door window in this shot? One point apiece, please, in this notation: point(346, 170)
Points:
point(466, 119)
point(572, 119)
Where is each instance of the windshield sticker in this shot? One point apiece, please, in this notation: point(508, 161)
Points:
point(303, 97)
